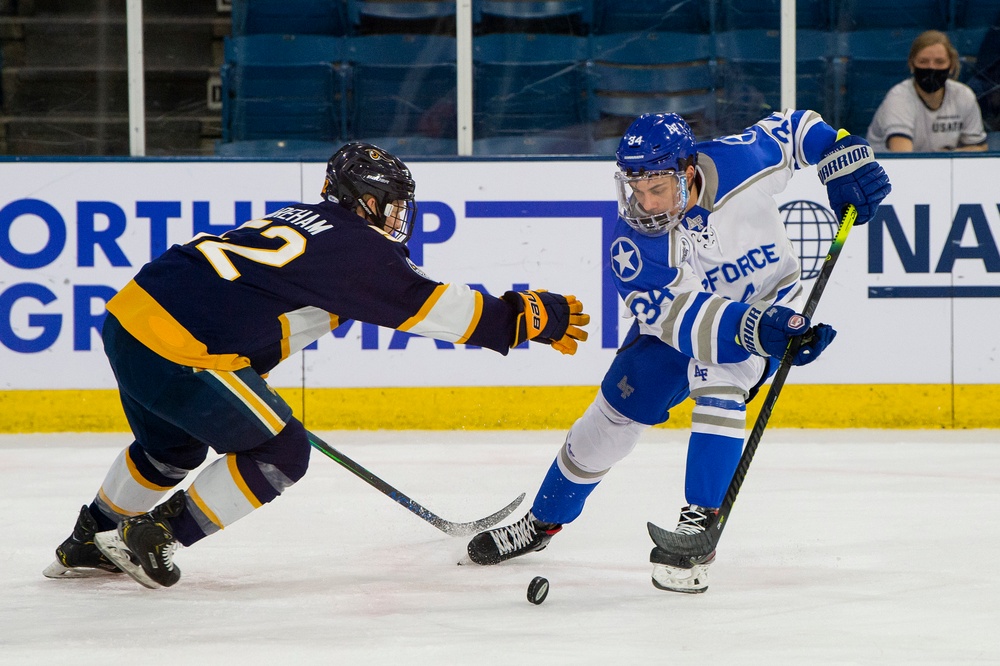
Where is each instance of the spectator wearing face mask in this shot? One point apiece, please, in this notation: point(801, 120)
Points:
point(931, 111)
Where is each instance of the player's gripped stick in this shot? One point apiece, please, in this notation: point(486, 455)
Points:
point(701, 544)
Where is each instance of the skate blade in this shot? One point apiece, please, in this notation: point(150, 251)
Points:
point(111, 544)
point(56, 570)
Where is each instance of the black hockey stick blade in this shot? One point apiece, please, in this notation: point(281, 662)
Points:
point(448, 527)
point(703, 543)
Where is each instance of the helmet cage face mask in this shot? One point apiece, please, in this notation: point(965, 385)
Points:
point(655, 222)
point(360, 172)
point(397, 219)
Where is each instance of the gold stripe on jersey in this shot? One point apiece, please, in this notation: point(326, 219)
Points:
point(425, 309)
point(476, 315)
point(153, 326)
point(253, 402)
point(451, 313)
point(301, 327)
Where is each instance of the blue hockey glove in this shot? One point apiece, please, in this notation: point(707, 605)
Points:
point(552, 319)
point(767, 333)
point(852, 176)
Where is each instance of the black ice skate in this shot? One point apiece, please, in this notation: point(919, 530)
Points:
point(679, 573)
point(503, 543)
point(77, 556)
point(143, 545)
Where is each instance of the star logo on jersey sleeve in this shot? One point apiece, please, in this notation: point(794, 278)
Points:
point(626, 261)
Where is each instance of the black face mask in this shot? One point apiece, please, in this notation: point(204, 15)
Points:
point(930, 80)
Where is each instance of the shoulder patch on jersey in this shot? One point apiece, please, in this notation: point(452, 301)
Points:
point(738, 139)
point(415, 269)
point(684, 249)
point(626, 261)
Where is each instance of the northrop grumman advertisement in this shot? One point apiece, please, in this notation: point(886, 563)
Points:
point(914, 296)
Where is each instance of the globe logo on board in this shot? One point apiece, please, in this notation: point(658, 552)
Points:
point(811, 227)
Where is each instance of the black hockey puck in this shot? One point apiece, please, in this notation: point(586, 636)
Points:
point(538, 589)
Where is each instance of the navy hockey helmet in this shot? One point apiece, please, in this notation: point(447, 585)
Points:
point(652, 185)
point(361, 170)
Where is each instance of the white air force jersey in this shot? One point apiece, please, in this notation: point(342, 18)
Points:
point(690, 287)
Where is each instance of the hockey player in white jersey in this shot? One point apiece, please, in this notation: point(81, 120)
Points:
point(702, 260)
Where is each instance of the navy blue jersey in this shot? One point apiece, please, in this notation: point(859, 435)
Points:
point(262, 291)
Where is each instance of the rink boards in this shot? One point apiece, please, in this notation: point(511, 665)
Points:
point(914, 297)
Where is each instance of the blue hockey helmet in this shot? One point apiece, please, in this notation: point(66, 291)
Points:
point(656, 142)
point(652, 185)
point(359, 172)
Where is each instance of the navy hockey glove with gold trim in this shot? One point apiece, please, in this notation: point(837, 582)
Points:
point(552, 319)
point(767, 333)
point(852, 176)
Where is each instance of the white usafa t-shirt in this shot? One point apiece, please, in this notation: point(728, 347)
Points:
point(958, 122)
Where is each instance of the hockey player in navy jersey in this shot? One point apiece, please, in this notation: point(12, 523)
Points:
point(191, 337)
point(701, 259)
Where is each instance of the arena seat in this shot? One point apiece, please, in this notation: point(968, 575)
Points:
point(872, 62)
point(289, 17)
point(402, 85)
point(766, 14)
point(526, 83)
point(892, 15)
point(612, 16)
point(641, 72)
point(283, 87)
point(750, 64)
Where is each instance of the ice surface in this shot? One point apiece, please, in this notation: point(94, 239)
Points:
point(845, 547)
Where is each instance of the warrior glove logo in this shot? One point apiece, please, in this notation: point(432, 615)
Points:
point(843, 161)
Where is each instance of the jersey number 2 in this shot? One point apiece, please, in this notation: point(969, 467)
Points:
point(216, 251)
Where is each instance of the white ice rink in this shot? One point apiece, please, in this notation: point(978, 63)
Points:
point(845, 547)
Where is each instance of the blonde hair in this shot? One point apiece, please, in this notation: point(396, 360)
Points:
point(930, 38)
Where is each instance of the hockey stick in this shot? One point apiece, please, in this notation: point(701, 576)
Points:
point(701, 544)
point(446, 526)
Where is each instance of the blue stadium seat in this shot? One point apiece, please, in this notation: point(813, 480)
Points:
point(977, 13)
point(750, 61)
point(529, 83)
point(402, 85)
point(611, 16)
point(283, 87)
point(636, 73)
point(533, 16)
point(893, 15)
point(278, 149)
point(766, 14)
point(872, 62)
point(402, 16)
point(289, 17)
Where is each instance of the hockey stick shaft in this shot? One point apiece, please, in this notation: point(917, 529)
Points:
point(446, 526)
point(699, 545)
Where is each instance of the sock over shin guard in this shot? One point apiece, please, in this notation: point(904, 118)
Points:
point(714, 448)
point(134, 484)
point(233, 486)
point(598, 440)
